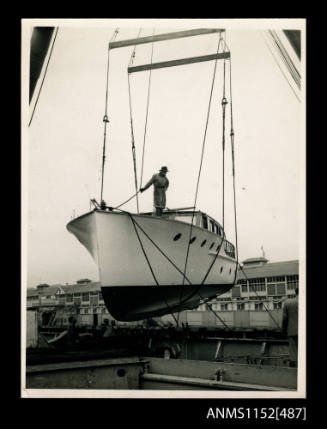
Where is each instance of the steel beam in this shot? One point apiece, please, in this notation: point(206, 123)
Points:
point(164, 36)
point(179, 62)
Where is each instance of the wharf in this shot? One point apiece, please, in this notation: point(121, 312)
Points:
point(148, 373)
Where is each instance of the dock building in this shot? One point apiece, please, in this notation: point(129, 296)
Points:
point(260, 286)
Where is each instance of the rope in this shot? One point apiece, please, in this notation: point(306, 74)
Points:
point(202, 154)
point(147, 113)
point(105, 118)
point(286, 58)
point(131, 122)
point(267, 309)
point(158, 248)
point(45, 72)
point(126, 201)
point(200, 169)
point(218, 317)
point(223, 103)
point(149, 264)
point(233, 160)
point(280, 68)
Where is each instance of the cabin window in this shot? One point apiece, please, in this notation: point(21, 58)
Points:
point(203, 243)
point(192, 240)
point(216, 229)
point(221, 269)
point(211, 246)
point(230, 271)
point(204, 222)
point(177, 237)
point(186, 218)
point(212, 226)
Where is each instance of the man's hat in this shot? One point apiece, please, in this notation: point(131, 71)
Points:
point(165, 169)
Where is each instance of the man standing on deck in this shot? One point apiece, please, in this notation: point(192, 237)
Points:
point(160, 185)
point(290, 325)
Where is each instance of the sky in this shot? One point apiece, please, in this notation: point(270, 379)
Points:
point(62, 148)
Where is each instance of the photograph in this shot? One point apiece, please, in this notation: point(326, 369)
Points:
point(163, 208)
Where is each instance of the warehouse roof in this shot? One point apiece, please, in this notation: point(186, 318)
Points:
point(32, 292)
point(82, 287)
point(273, 269)
point(51, 290)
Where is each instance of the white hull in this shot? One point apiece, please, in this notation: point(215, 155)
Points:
point(154, 256)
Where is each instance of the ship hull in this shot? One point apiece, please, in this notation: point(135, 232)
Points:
point(142, 261)
point(136, 303)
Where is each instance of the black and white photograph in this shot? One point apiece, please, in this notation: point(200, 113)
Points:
point(163, 208)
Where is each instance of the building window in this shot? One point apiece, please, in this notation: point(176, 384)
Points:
point(240, 306)
point(281, 289)
point(277, 279)
point(258, 306)
point(292, 282)
point(77, 301)
point(236, 292)
point(94, 298)
point(257, 285)
point(244, 288)
point(224, 307)
point(277, 305)
point(69, 297)
point(85, 296)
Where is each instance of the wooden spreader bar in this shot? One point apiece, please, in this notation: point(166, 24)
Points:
point(164, 36)
point(179, 62)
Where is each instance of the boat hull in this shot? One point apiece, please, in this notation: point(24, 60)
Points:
point(142, 261)
point(136, 303)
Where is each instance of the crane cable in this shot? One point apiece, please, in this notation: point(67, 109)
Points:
point(105, 118)
point(147, 111)
point(132, 127)
point(199, 174)
point(202, 154)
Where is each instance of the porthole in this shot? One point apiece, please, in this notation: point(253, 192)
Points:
point(203, 243)
point(177, 237)
point(218, 247)
point(211, 246)
point(230, 271)
point(121, 372)
point(221, 269)
point(192, 240)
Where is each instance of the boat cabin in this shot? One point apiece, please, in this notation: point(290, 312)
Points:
point(200, 219)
